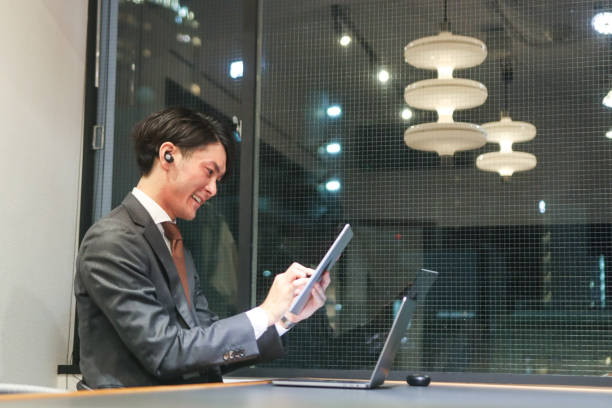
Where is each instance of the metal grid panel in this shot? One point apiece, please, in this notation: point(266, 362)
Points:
point(523, 262)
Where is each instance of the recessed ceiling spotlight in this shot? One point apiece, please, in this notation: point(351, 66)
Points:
point(345, 40)
point(334, 111)
point(333, 185)
point(602, 22)
point(607, 101)
point(236, 69)
point(406, 114)
point(333, 148)
point(383, 75)
point(609, 134)
point(542, 206)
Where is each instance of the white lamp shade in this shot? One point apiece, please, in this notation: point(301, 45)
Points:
point(454, 93)
point(445, 50)
point(508, 130)
point(506, 163)
point(445, 138)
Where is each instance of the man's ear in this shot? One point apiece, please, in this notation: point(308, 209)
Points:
point(166, 155)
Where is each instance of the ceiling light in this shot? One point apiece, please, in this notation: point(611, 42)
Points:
point(333, 148)
point(607, 100)
point(445, 53)
point(406, 114)
point(236, 69)
point(334, 111)
point(506, 161)
point(345, 40)
point(542, 206)
point(609, 134)
point(602, 22)
point(333, 185)
point(383, 75)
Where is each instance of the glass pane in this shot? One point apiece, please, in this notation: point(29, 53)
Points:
point(169, 54)
point(523, 259)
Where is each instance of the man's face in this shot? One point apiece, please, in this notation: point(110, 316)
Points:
point(193, 180)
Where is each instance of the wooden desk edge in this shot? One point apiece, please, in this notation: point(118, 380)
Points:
point(132, 390)
point(575, 388)
point(172, 388)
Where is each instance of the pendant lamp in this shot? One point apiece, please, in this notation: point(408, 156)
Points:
point(506, 161)
point(445, 53)
point(506, 132)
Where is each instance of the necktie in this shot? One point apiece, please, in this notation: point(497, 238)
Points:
point(178, 254)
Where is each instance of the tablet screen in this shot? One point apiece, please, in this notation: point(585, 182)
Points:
point(326, 264)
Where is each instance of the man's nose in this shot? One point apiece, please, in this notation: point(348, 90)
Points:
point(211, 187)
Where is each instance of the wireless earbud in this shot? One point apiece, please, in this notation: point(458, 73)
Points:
point(168, 157)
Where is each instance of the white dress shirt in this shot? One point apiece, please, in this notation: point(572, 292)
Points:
point(257, 316)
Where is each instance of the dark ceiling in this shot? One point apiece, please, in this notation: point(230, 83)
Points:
point(546, 65)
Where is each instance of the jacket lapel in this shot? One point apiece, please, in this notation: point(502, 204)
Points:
point(154, 237)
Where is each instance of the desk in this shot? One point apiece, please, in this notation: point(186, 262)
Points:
point(263, 394)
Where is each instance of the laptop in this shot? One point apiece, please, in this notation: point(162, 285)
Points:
point(418, 291)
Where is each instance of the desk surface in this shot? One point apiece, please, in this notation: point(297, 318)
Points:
point(261, 394)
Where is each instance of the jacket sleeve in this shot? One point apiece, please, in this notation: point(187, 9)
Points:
point(114, 266)
point(269, 344)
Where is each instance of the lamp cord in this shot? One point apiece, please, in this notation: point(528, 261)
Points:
point(507, 76)
point(445, 26)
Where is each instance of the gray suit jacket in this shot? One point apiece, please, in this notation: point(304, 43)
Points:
point(135, 324)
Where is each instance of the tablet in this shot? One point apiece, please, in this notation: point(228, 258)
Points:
point(326, 264)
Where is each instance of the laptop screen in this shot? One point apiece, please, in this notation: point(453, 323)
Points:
point(418, 291)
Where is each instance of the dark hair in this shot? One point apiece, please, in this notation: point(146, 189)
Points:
point(185, 128)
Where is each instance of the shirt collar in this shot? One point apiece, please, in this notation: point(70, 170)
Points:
point(155, 211)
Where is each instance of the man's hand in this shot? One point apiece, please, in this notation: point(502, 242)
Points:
point(285, 287)
point(315, 301)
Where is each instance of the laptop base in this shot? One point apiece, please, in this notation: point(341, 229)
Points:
point(359, 384)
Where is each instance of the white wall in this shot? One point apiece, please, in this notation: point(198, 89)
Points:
point(42, 74)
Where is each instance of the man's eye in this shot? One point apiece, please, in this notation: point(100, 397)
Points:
point(210, 172)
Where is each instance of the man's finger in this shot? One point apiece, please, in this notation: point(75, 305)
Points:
point(318, 292)
point(300, 282)
point(294, 273)
point(326, 280)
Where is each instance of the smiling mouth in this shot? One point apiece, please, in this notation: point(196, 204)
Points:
point(198, 199)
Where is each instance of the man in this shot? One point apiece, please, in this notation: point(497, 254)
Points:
point(142, 317)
